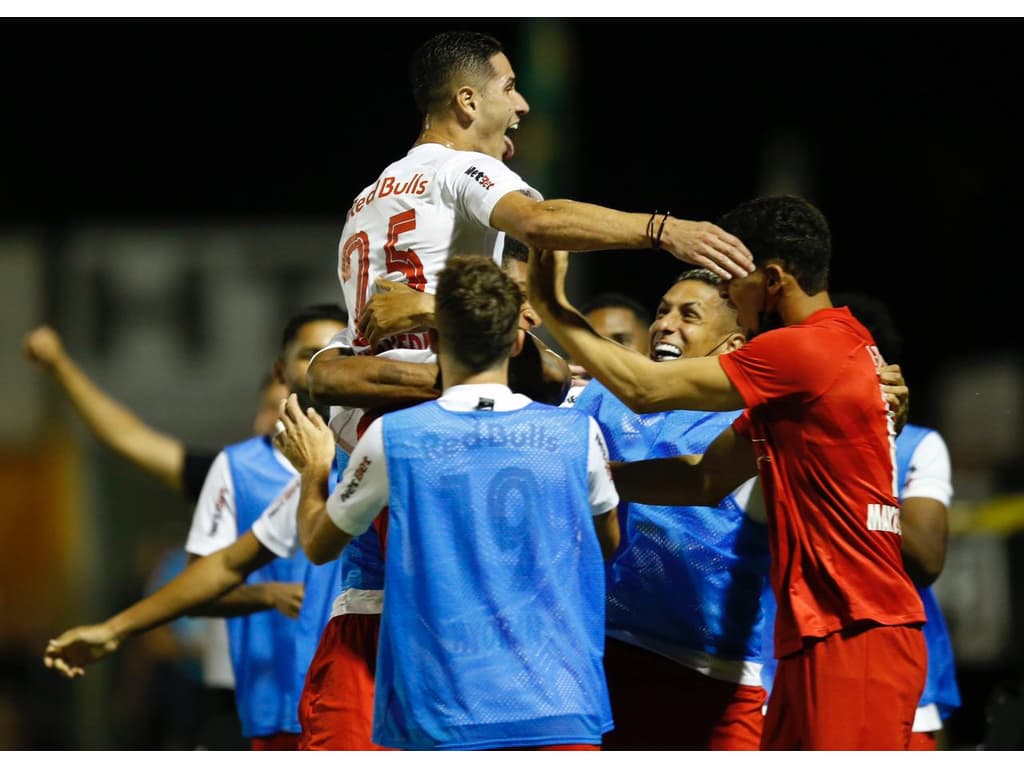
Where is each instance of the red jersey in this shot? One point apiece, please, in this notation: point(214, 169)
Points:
point(825, 448)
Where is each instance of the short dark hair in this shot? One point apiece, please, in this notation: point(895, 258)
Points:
point(477, 311)
point(614, 299)
point(788, 229)
point(514, 250)
point(874, 316)
point(701, 275)
point(310, 314)
point(440, 59)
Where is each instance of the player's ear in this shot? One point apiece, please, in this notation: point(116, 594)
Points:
point(278, 370)
point(517, 345)
point(773, 278)
point(734, 341)
point(466, 103)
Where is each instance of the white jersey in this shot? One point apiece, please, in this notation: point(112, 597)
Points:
point(432, 204)
point(930, 474)
point(208, 535)
point(215, 520)
point(215, 526)
point(278, 530)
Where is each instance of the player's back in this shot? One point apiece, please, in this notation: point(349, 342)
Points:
point(494, 616)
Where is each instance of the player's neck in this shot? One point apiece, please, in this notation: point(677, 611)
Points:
point(453, 374)
point(801, 306)
point(429, 136)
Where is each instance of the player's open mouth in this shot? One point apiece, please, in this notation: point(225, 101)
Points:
point(667, 352)
point(510, 147)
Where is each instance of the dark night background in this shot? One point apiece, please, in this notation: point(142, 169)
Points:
point(906, 133)
point(910, 130)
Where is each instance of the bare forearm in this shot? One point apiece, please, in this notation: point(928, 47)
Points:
point(924, 523)
point(119, 428)
point(675, 482)
point(206, 579)
point(626, 373)
point(312, 505)
point(240, 601)
point(919, 561)
point(574, 226)
point(643, 385)
point(361, 381)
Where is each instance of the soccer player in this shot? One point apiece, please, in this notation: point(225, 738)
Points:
point(453, 194)
point(242, 482)
point(181, 468)
point(492, 630)
point(684, 621)
point(817, 429)
point(337, 700)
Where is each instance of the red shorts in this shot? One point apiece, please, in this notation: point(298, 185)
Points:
point(923, 741)
point(279, 741)
point(336, 707)
point(659, 703)
point(854, 689)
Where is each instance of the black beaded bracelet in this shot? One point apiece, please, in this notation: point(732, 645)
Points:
point(656, 238)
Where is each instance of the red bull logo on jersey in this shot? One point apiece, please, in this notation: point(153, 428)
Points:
point(388, 186)
point(884, 517)
point(481, 178)
point(484, 434)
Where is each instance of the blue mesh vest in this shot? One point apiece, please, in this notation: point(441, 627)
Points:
point(940, 686)
point(689, 578)
point(492, 631)
point(262, 644)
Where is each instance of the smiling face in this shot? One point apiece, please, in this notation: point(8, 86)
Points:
point(500, 107)
point(693, 320)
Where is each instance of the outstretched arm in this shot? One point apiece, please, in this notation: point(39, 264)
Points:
point(113, 424)
point(642, 384)
point(573, 226)
point(283, 596)
point(204, 580)
point(689, 480)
